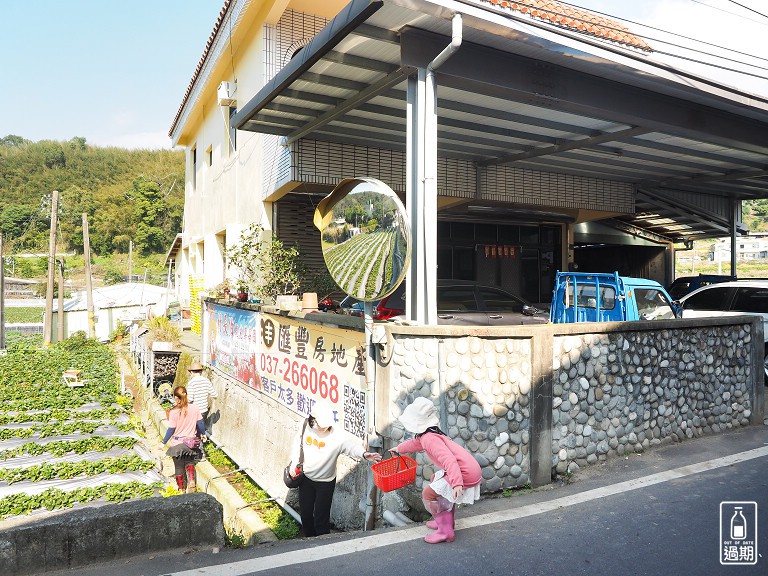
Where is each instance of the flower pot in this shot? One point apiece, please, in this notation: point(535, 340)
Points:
point(288, 302)
point(309, 302)
point(242, 296)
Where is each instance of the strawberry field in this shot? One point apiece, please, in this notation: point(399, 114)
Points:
point(65, 444)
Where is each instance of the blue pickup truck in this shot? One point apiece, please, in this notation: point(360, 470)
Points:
point(605, 297)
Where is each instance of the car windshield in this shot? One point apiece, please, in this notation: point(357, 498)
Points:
point(653, 305)
point(586, 296)
point(707, 299)
point(499, 301)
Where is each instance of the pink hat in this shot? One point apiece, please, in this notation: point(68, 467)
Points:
point(419, 415)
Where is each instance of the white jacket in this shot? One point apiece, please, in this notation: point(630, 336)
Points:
point(322, 450)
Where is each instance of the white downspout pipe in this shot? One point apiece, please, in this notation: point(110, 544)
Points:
point(430, 172)
point(448, 51)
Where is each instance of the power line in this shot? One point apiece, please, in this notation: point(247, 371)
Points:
point(748, 8)
point(729, 12)
point(669, 43)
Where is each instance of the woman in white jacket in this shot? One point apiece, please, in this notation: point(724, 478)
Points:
point(323, 444)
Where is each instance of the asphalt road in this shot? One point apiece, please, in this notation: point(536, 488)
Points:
point(652, 514)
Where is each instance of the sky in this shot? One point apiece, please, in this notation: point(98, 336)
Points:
point(115, 72)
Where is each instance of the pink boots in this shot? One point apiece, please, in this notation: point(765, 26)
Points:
point(432, 525)
point(444, 533)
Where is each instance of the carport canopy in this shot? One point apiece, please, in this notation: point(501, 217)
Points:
point(524, 92)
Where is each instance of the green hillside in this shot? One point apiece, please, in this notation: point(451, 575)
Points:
point(128, 195)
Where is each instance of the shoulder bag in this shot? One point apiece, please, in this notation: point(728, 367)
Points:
point(291, 481)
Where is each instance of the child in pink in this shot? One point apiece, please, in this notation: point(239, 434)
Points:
point(458, 479)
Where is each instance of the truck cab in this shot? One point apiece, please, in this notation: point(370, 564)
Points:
point(605, 297)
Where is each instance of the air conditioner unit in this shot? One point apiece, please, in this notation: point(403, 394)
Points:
point(226, 94)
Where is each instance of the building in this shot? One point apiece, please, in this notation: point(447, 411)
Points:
point(751, 247)
point(126, 303)
point(531, 124)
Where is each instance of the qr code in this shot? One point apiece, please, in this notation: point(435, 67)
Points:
point(354, 411)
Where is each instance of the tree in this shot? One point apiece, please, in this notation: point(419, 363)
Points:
point(148, 208)
point(13, 140)
point(266, 266)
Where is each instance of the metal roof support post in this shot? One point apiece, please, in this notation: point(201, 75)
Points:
point(414, 195)
point(426, 238)
point(735, 206)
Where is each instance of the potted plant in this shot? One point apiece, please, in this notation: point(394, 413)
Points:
point(221, 290)
point(242, 291)
point(266, 266)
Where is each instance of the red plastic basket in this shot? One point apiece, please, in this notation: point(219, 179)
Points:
point(394, 473)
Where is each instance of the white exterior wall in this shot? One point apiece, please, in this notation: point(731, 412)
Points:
point(225, 192)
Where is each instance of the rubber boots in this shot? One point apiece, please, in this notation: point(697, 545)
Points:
point(180, 482)
point(191, 484)
point(432, 525)
point(444, 532)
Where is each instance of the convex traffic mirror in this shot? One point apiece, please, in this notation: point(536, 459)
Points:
point(366, 238)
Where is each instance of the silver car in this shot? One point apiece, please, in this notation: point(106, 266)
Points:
point(734, 298)
point(466, 303)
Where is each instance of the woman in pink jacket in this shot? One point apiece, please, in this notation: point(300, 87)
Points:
point(458, 479)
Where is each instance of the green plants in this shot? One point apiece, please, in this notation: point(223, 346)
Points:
point(279, 521)
point(234, 540)
point(171, 490)
point(266, 265)
point(220, 290)
point(120, 332)
point(242, 290)
point(162, 330)
point(182, 372)
point(36, 404)
point(24, 314)
point(54, 499)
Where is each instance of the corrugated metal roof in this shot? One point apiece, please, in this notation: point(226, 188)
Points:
point(117, 296)
point(523, 92)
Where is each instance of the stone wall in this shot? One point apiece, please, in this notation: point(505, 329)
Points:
point(528, 402)
point(533, 402)
point(71, 539)
point(482, 387)
point(625, 392)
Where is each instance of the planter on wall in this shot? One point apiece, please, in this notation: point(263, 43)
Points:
point(288, 302)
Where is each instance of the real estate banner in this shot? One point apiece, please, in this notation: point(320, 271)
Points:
point(296, 363)
point(231, 342)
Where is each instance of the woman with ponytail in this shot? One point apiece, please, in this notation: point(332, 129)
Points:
point(184, 435)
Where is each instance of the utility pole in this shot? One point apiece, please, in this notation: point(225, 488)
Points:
point(48, 318)
point(88, 280)
point(130, 261)
point(60, 316)
point(2, 296)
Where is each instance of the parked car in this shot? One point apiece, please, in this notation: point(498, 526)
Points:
point(353, 307)
point(466, 303)
point(331, 302)
point(736, 297)
point(605, 297)
point(687, 284)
